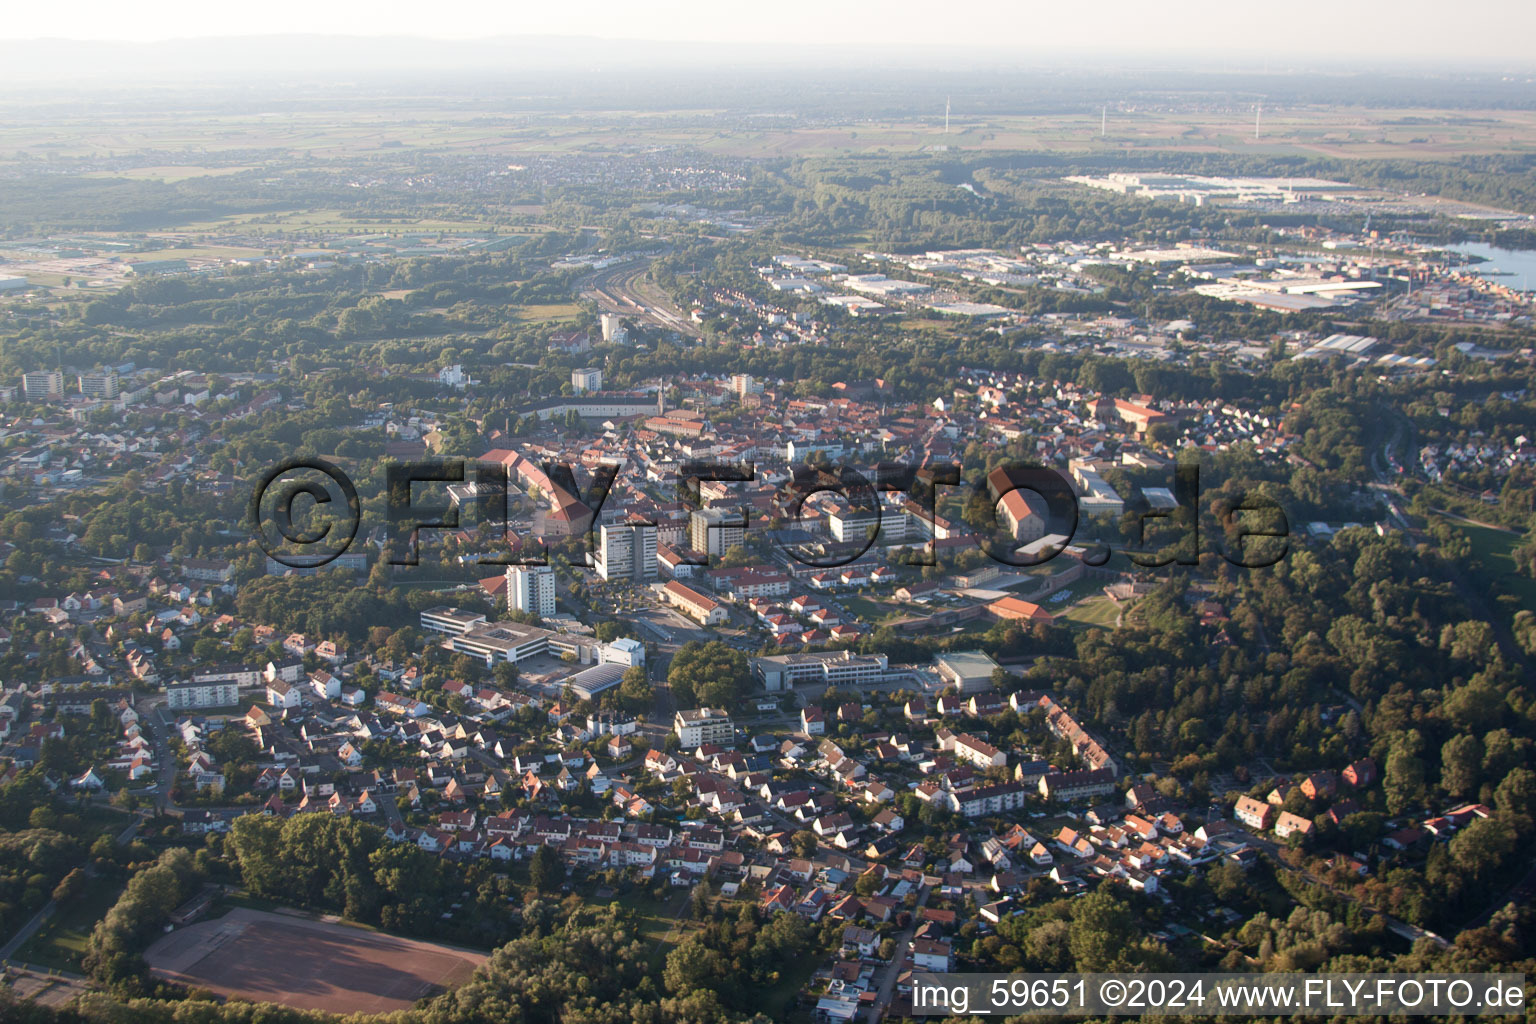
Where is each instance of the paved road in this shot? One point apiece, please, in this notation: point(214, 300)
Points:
point(38, 920)
point(27, 931)
point(887, 987)
point(127, 835)
point(165, 773)
point(504, 779)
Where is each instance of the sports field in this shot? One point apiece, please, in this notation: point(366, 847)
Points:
point(308, 964)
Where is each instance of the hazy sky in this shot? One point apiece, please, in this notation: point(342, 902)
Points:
point(1496, 30)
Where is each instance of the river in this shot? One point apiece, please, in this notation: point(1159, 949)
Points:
point(1515, 268)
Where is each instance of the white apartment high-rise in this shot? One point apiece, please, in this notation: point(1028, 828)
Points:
point(99, 384)
point(627, 551)
point(531, 589)
point(43, 384)
point(586, 379)
point(715, 531)
point(699, 726)
point(743, 385)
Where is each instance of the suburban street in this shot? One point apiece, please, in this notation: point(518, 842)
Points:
point(886, 989)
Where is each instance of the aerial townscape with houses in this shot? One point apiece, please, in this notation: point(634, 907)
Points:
point(737, 561)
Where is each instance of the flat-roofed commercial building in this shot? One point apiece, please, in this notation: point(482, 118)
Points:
point(1094, 495)
point(625, 651)
point(779, 672)
point(855, 525)
point(588, 683)
point(502, 641)
point(357, 561)
point(586, 380)
point(967, 671)
point(991, 800)
point(238, 675)
point(456, 621)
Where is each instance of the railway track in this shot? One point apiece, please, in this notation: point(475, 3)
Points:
point(616, 290)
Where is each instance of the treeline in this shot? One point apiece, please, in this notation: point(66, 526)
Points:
point(1097, 932)
point(1291, 926)
point(32, 863)
point(591, 969)
point(114, 954)
point(328, 604)
point(40, 843)
point(1350, 649)
point(321, 862)
point(736, 958)
point(710, 674)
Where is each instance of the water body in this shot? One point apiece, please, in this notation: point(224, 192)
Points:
point(1513, 268)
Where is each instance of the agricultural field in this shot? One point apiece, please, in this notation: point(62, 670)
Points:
point(550, 312)
point(320, 134)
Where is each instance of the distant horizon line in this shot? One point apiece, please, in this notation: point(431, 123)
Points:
point(992, 58)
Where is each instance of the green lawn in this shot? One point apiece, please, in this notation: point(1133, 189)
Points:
point(777, 999)
point(102, 818)
point(61, 942)
point(658, 919)
point(548, 312)
point(1492, 550)
point(1085, 605)
point(873, 611)
point(1094, 611)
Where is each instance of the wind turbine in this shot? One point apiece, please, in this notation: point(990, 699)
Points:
point(946, 115)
